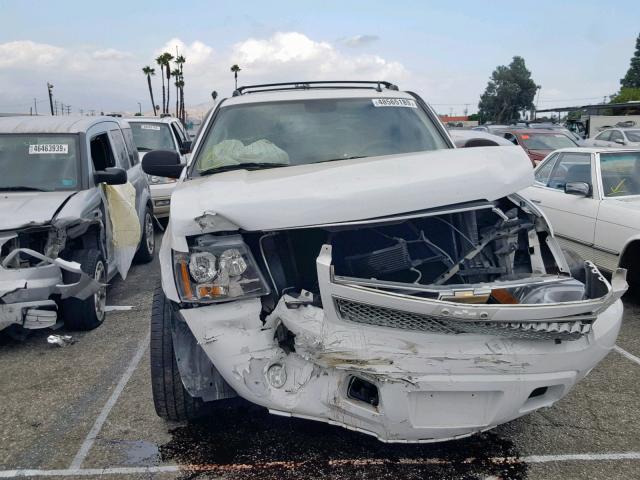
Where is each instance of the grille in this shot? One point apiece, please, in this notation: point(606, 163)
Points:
point(387, 317)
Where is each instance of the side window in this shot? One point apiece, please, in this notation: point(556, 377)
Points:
point(511, 137)
point(604, 136)
point(616, 135)
point(122, 157)
point(571, 167)
point(101, 152)
point(131, 147)
point(543, 172)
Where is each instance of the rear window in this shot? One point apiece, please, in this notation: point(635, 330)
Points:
point(310, 131)
point(550, 141)
point(152, 136)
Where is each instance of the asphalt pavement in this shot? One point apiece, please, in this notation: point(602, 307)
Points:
point(85, 411)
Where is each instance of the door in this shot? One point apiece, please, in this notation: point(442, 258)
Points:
point(616, 139)
point(572, 217)
point(127, 159)
point(602, 139)
point(181, 139)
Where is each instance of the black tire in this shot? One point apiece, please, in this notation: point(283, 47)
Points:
point(147, 246)
point(89, 313)
point(171, 400)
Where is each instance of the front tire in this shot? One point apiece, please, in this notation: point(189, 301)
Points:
point(147, 245)
point(89, 313)
point(171, 400)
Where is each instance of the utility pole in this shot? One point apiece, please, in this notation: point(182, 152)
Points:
point(35, 105)
point(55, 103)
point(68, 109)
point(62, 108)
point(50, 87)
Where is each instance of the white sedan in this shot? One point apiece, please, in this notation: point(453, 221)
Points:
point(615, 137)
point(591, 196)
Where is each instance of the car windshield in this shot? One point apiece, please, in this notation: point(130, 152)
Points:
point(39, 162)
point(633, 135)
point(620, 173)
point(549, 141)
point(152, 136)
point(311, 131)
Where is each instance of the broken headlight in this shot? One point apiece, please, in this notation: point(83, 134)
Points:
point(217, 269)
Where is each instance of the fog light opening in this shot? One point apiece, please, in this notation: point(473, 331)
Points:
point(277, 375)
point(538, 392)
point(363, 391)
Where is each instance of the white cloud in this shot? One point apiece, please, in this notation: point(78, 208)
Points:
point(28, 54)
point(110, 54)
point(359, 40)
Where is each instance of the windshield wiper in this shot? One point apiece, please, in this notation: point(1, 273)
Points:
point(342, 158)
point(23, 189)
point(243, 166)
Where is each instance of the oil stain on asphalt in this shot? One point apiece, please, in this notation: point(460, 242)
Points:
point(239, 442)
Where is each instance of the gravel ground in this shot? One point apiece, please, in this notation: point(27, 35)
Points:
point(52, 396)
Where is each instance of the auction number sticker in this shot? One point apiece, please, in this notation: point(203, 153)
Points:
point(394, 102)
point(49, 148)
point(150, 127)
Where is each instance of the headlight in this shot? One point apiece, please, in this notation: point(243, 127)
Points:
point(155, 180)
point(217, 268)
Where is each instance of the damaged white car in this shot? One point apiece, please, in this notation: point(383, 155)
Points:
point(331, 256)
point(75, 208)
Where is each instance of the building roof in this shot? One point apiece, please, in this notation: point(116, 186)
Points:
point(50, 124)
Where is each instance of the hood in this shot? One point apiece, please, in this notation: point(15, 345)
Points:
point(347, 190)
point(21, 208)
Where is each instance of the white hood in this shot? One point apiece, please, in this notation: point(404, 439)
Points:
point(21, 208)
point(347, 190)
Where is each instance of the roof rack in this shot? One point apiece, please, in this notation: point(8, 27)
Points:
point(272, 87)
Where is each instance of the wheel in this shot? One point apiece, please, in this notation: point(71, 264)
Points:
point(171, 400)
point(89, 313)
point(147, 242)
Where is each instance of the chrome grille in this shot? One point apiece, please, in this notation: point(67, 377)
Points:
point(388, 317)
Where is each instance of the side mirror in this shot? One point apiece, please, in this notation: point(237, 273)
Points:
point(578, 188)
point(186, 147)
point(619, 141)
point(162, 163)
point(110, 176)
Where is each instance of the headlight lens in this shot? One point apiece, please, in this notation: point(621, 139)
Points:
point(218, 268)
point(155, 180)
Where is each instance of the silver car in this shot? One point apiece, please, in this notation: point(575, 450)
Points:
point(61, 230)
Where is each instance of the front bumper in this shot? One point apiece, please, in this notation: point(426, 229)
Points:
point(431, 386)
point(161, 198)
point(27, 294)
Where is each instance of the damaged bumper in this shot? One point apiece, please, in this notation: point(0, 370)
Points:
point(27, 295)
point(405, 368)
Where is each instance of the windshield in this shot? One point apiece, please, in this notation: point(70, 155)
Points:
point(550, 141)
point(39, 162)
point(633, 135)
point(620, 173)
point(152, 136)
point(310, 131)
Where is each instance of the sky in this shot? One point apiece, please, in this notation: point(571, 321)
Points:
point(93, 52)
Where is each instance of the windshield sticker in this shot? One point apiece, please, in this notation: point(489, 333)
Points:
point(68, 182)
point(394, 102)
point(150, 127)
point(49, 148)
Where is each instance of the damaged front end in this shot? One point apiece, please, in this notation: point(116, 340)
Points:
point(33, 276)
point(418, 327)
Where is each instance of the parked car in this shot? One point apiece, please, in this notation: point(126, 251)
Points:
point(476, 138)
point(329, 255)
point(591, 196)
point(559, 128)
point(490, 128)
point(538, 143)
point(160, 133)
point(57, 223)
point(615, 137)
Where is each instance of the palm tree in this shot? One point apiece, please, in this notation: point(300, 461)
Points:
point(235, 69)
point(180, 61)
point(167, 58)
point(160, 61)
point(148, 71)
point(176, 74)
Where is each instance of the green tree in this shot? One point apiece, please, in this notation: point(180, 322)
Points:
point(235, 69)
point(632, 78)
point(180, 61)
point(176, 74)
point(509, 92)
point(148, 71)
point(160, 62)
point(626, 94)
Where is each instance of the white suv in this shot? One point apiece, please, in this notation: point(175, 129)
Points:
point(331, 256)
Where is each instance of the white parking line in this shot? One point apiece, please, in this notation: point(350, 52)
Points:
point(104, 413)
point(262, 466)
point(630, 356)
point(118, 308)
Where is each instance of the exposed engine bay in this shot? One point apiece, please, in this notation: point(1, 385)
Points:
point(426, 256)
